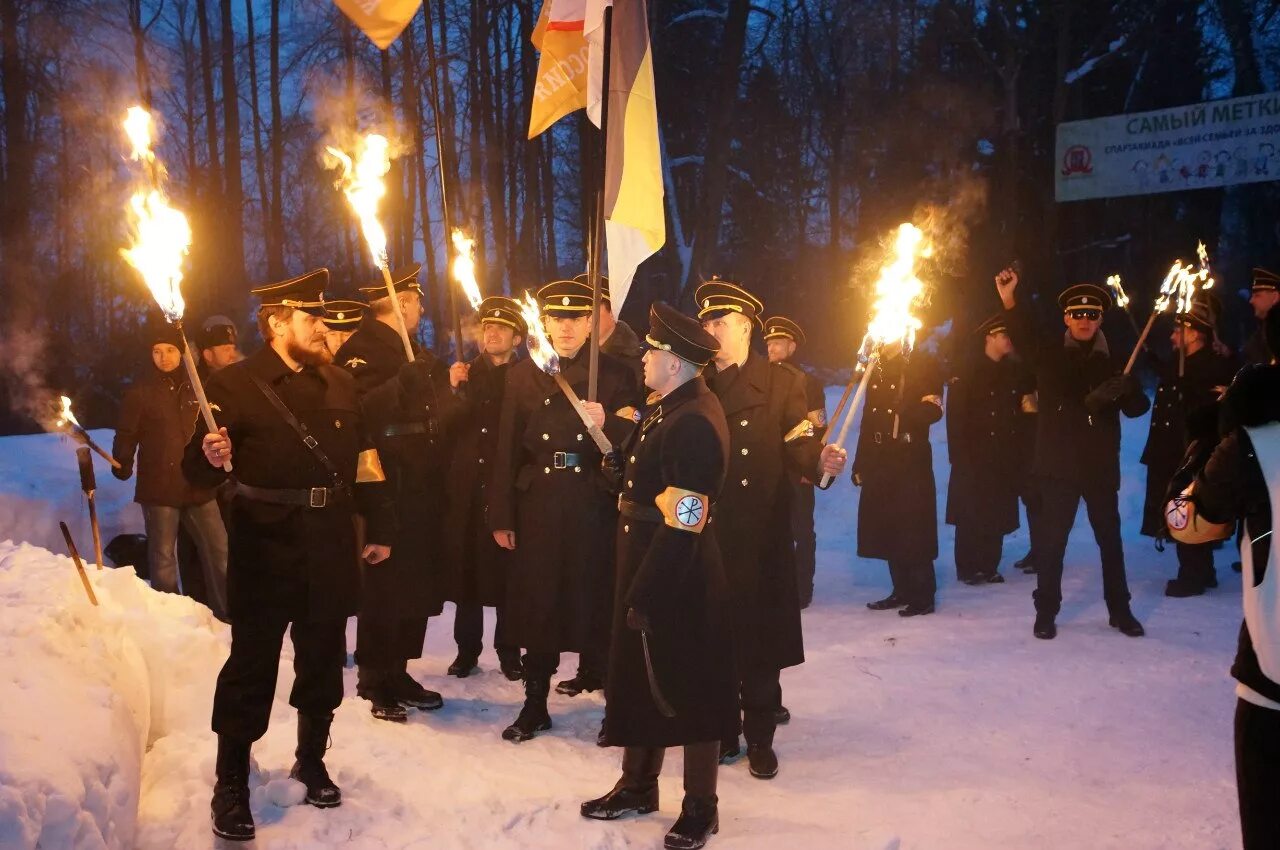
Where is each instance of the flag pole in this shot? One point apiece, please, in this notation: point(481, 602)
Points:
point(597, 223)
point(446, 218)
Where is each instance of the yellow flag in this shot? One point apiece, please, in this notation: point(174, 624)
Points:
point(561, 84)
point(381, 20)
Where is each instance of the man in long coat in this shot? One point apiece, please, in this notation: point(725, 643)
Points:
point(990, 410)
point(671, 615)
point(410, 430)
point(770, 438)
point(1185, 408)
point(303, 464)
point(897, 511)
point(550, 504)
point(478, 565)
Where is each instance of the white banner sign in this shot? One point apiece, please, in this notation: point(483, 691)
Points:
point(1203, 146)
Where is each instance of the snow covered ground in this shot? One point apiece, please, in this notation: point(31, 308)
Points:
point(957, 731)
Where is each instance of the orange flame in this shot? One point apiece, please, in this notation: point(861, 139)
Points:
point(540, 349)
point(1182, 282)
point(897, 290)
point(1114, 284)
point(363, 182)
point(464, 267)
point(67, 417)
point(160, 234)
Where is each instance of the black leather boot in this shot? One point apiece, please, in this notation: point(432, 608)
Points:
point(636, 793)
point(758, 727)
point(889, 603)
point(510, 663)
point(229, 808)
point(584, 680)
point(699, 815)
point(375, 685)
point(409, 692)
point(309, 769)
point(533, 716)
point(1128, 624)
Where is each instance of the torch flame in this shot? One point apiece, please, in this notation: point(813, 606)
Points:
point(464, 267)
point(67, 417)
point(1182, 282)
point(540, 349)
point(897, 290)
point(363, 183)
point(1114, 284)
point(138, 127)
point(161, 235)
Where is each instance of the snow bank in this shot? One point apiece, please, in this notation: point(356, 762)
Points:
point(85, 690)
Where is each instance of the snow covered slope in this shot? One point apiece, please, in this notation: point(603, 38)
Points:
point(957, 731)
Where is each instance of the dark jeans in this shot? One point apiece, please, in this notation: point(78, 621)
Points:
point(247, 683)
point(1060, 501)
point(914, 582)
point(468, 631)
point(385, 643)
point(204, 524)
point(977, 552)
point(806, 540)
point(1258, 775)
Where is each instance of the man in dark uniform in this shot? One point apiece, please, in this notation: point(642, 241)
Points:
point(769, 438)
point(409, 430)
point(990, 409)
point(1185, 408)
point(341, 318)
point(550, 504)
point(1082, 394)
point(304, 465)
point(671, 615)
point(617, 339)
point(478, 564)
point(897, 511)
point(1263, 297)
point(782, 337)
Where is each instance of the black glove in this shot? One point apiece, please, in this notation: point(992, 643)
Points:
point(415, 376)
point(1107, 393)
point(612, 467)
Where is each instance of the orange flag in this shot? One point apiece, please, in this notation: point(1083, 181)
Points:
point(381, 20)
point(561, 84)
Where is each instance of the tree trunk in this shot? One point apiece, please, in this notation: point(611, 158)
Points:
point(393, 203)
point(724, 97)
point(141, 68)
point(275, 226)
point(412, 94)
point(19, 164)
point(234, 277)
point(259, 156)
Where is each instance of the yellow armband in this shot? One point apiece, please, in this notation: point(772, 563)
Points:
point(684, 509)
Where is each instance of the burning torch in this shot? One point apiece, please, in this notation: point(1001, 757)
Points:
point(1179, 289)
point(897, 290)
point(68, 419)
point(547, 360)
point(363, 182)
point(161, 239)
point(464, 267)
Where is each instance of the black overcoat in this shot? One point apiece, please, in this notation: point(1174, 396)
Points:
point(763, 403)
point(675, 577)
point(548, 487)
point(990, 410)
point(284, 561)
point(897, 509)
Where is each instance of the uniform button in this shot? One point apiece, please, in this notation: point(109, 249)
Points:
point(579, 438)
point(626, 529)
point(633, 458)
point(993, 433)
point(546, 436)
point(546, 401)
point(482, 460)
point(744, 482)
point(577, 469)
point(629, 484)
point(889, 410)
point(743, 423)
point(484, 430)
point(546, 469)
point(873, 410)
point(744, 451)
point(893, 386)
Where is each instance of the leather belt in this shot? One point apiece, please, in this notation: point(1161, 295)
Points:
point(563, 460)
point(634, 510)
point(313, 497)
point(405, 429)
